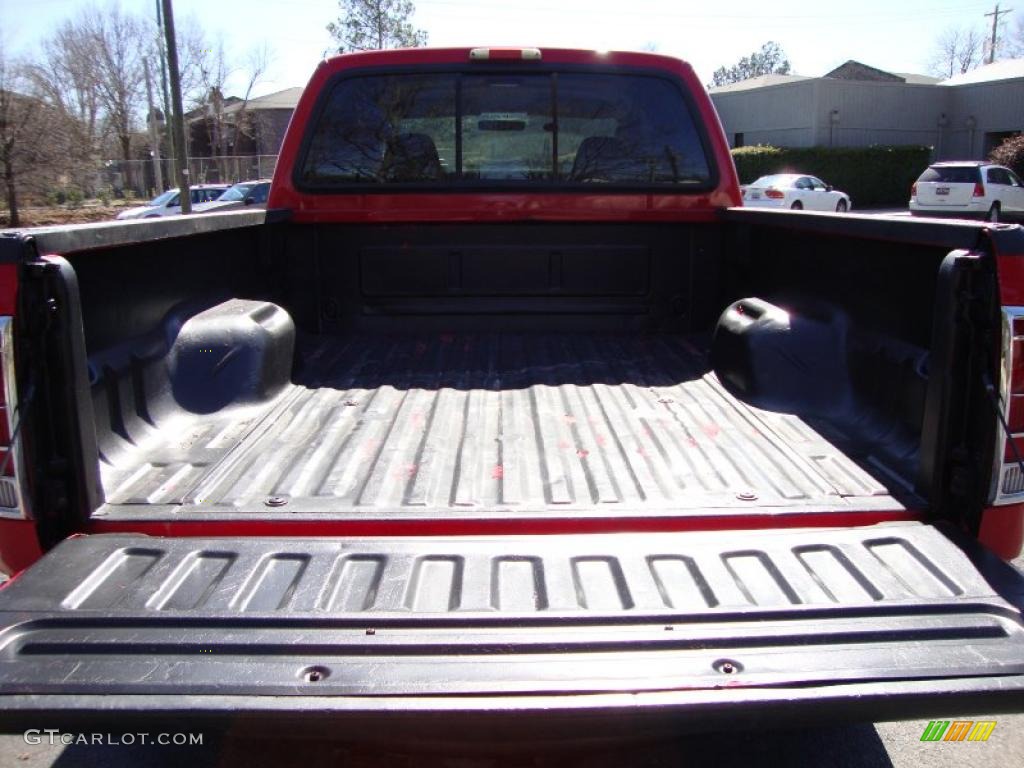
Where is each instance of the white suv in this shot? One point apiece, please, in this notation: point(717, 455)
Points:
point(968, 189)
point(169, 203)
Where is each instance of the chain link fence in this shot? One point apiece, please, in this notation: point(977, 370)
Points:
point(138, 178)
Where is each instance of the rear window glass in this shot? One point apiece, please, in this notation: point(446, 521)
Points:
point(952, 174)
point(516, 129)
point(774, 181)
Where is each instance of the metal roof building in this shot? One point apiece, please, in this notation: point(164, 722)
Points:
point(856, 105)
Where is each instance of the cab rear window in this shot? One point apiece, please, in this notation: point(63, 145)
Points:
point(952, 174)
point(505, 129)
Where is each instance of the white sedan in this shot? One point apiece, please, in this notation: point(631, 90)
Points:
point(791, 190)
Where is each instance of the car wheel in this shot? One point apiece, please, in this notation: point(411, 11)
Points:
point(797, 206)
point(993, 213)
point(841, 206)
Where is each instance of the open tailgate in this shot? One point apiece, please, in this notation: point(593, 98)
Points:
point(689, 628)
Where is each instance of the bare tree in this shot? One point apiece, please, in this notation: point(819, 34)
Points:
point(226, 118)
point(120, 41)
point(15, 117)
point(27, 160)
point(255, 68)
point(956, 51)
point(366, 25)
point(194, 52)
point(1015, 40)
point(66, 79)
point(213, 73)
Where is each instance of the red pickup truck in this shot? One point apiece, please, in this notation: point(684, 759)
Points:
point(504, 418)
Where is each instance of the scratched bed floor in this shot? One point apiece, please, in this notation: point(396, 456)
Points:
point(511, 423)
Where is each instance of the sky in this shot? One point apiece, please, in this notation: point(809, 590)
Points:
point(894, 35)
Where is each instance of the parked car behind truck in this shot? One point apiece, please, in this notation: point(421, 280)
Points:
point(505, 421)
point(241, 195)
point(794, 191)
point(970, 189)
point(169, 202)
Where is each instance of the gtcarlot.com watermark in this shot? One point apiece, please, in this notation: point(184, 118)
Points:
point(54, 736)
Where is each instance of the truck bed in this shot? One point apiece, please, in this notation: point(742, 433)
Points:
point(447, 424)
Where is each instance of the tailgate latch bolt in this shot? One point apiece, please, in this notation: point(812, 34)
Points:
point(276, 501)
point(315, 674)
point(728, 666)
point(746, 496)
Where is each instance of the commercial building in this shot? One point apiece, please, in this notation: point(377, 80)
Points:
point(855, 105)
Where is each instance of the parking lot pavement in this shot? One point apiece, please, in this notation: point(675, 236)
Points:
point(884, 211)
point(852, 746)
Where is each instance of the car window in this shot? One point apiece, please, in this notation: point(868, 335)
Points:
point(174, 202)
point(536, 128)
point(162, 199)
point(775, 180)
point(803, 183)
point(236, 193)
point(259, 193)
point(952, 174)
point(1014, 179)
point(817, 183)
point(997, 176)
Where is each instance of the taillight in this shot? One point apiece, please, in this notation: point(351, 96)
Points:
point(979, 190)
point(774, 194)
point(913, 189)
point(1010, 448)
point(12, 501)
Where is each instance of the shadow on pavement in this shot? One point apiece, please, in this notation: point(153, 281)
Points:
point(854, 746)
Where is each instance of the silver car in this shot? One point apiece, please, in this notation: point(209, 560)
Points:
point(169, 203)
point(244, 194)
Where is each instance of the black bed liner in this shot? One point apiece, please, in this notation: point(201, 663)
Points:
point(680, 622)
point(452, 424)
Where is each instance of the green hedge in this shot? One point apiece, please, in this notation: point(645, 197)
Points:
point(869, 175)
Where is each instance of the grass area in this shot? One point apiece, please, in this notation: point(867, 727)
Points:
point(55, 215)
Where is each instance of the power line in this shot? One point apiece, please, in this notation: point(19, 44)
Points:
point(941, 9)
point(954, 8)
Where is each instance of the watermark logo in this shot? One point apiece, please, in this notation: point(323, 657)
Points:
point(958, 730)
point(54, 737)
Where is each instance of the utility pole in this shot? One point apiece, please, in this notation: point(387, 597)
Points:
point(163, 85)
point(178, 117)
point(995, 14)
point(154, 134)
